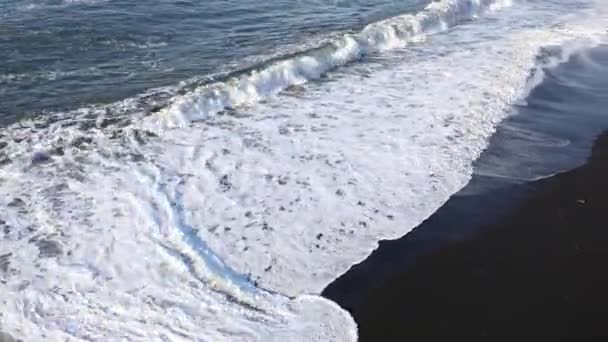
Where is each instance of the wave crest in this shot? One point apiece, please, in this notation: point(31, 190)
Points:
point(270, 79)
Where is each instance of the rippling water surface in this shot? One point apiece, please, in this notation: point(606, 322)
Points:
point(67, 53)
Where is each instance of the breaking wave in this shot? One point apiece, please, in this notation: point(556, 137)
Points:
point(273, 77)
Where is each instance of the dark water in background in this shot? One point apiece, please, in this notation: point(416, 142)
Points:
point(67, 53)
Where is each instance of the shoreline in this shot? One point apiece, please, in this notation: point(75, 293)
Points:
point(538, 274)
point(517, 253)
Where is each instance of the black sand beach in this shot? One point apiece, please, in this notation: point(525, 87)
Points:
point(509, 258)
point(540, 273)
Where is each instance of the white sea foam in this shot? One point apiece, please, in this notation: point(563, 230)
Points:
point(94, 249)
point(227, 229)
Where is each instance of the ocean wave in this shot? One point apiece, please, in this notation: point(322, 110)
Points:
point(387, 34)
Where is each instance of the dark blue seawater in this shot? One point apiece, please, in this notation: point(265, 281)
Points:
point(63, 54)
